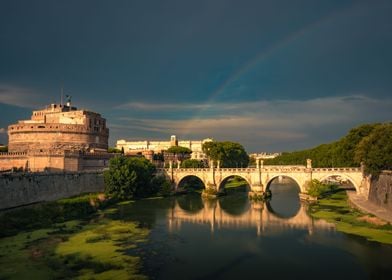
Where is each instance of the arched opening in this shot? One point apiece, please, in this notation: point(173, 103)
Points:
point(236, 201)
point(191, 184)
point(341, 182)
point(284, 202)
point(234, 184)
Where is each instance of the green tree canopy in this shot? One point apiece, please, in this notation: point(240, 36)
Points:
point(368, 143)
point(230, 154)
point(179, 150)
point(192, 163)
point(114, 150)
point(128, 177)
point(375, 150)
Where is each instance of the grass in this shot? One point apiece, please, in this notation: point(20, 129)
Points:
point(335, 208)
point(44, 215)
point(235, 183)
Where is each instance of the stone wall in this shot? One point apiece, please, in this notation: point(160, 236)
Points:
point(55, 161)
point(381, 190)
point(19, 189)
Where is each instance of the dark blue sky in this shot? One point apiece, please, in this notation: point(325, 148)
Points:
point(273, 75)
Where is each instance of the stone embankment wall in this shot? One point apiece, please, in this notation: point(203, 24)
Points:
point(17, 189)
point(380, 191)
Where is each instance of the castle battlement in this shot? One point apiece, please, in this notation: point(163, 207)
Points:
point(13, 154)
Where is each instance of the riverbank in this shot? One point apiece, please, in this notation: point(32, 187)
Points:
point(90, 243)
point(365, 205)
point(335, 208)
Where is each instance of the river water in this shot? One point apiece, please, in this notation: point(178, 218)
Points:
point(232, 238)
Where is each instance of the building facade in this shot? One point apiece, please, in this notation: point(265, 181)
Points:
point(57, 138)
point(143, 147)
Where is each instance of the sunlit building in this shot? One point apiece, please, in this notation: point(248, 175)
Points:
point(159, 146)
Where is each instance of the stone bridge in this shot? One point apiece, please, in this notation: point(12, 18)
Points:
point(256, 216)
point(260, 177)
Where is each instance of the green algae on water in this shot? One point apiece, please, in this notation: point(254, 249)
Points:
point(96, 250)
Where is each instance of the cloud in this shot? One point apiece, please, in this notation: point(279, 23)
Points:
point(283, 123)
point(162, 106)
point(21, 97)
point(3, 130)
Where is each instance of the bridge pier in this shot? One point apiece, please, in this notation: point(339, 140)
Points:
point(257, 192)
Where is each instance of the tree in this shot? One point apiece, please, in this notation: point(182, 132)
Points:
point(114, 150)
point(349, 143)
point(177, 153)
point(375, 150)
point(179, 150)
point(317, 189)
point(128, 177)
point(230, 154)
point(336, 154)
point(192, 163)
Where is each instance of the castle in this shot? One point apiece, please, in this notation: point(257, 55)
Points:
point(57, 138)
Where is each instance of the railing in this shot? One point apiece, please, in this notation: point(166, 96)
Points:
point(337, 169)
point(268, 168)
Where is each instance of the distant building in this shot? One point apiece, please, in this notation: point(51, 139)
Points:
point(264, 155)
point(57, 138)
point(155, 147)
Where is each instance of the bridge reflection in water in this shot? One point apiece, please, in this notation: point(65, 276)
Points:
point(259, 215)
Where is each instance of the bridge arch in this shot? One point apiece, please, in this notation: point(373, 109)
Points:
point(345, 176)
point(225, 179)
point(188, 176)
point(298, 182)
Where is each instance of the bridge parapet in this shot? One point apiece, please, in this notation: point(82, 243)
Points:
point(272, 168)
point(337, 169)
point(237, 170)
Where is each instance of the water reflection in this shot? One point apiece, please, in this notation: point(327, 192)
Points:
point(191, 203)
point(242, 214)
point(285, 201)
point(236, 204)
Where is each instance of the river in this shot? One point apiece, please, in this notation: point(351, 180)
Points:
point(233, 238)
point(186, 237)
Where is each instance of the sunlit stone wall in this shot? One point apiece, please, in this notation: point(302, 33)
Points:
point(381, 190)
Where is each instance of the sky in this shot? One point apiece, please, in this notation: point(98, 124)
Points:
point(277, 75)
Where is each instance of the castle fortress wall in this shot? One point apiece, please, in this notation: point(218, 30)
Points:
point(53, 161)
point(26, 188)
point(11, 160)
